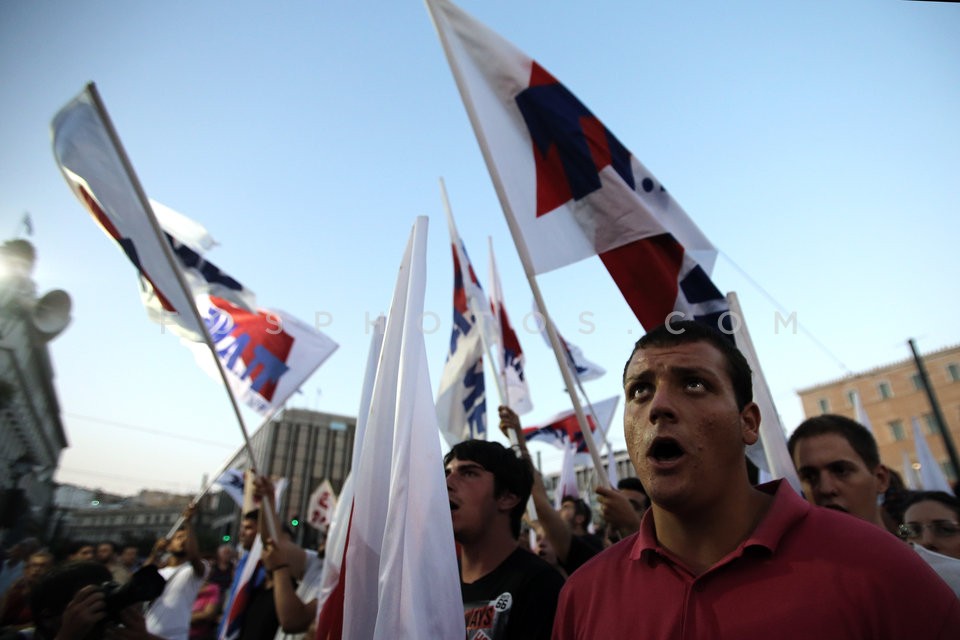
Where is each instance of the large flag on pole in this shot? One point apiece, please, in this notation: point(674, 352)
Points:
point(264, 355)
point(95, 170)
point(568, 186)
point(508, 347)
point(401, 573)
point(461, 398)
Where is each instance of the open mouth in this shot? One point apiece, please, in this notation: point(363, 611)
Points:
point(665, 450)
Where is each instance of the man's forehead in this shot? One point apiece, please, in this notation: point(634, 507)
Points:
point(456, 463)
point(689, 355)
point(826, 449)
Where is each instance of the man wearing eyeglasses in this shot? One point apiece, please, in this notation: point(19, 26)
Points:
point(839, 467)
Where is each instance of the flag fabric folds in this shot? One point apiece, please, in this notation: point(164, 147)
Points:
point(401, 574)
point(231, 481)
point(931, 474)
point(461, 397)
point(95, 171)
point(562, 430)
point(332, 587)
point(582, 368)
point(568, 186)
point(508, 348)
point(322, 504)
point(861, 413)
point(267, 354)
point(567, 482)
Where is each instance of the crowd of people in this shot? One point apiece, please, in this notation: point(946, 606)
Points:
point(691, 547)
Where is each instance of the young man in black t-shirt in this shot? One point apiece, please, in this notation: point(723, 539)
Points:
point(507, 591)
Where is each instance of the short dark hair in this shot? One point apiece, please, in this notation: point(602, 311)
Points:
point(632, 483)
point(511, 473)
point(944, 498)
point(74, 546)
point(580, 508)
point(672, 334)
point(857, 435)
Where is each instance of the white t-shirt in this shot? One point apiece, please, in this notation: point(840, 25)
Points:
point(169, 615)
point(947, 568)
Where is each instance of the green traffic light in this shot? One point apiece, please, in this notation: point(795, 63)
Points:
point(226, 538)
point(294, 522)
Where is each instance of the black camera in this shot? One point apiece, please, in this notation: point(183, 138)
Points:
point(144, 585)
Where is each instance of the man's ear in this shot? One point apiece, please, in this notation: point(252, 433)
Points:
point(882, 475)
point(750, 423)
point(507, 501)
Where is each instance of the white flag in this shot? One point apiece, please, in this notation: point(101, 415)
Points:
point(931, 474)
point(567, 483)
point(266, 354)
point(861, 413)
point(330, 598)
point(402, 578)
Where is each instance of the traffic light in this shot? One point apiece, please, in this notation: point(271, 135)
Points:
point(226, 537)
point(294, 521)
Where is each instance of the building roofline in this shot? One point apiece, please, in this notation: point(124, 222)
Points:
point(850, 377)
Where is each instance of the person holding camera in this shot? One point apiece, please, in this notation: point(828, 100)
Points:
point(78, 601)
point(185, 572)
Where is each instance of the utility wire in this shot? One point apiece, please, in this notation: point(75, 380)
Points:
point(181, 486)
point(156, 432)
point(783, 311)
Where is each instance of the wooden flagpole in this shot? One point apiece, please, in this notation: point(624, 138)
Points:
point(518, 241)
point(168, 252)
point(495, 286)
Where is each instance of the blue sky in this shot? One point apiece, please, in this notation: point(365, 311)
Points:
point(815, 143)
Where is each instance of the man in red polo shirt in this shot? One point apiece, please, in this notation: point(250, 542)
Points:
point(716, 557)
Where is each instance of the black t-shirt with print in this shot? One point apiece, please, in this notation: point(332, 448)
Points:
point(515, 601)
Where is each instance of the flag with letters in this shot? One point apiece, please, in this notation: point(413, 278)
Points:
point(572, 189)
point(461, 397)
point(267, 354)
point(508, 348)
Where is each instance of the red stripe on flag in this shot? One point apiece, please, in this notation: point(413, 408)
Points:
point(646, 272)
point(94, 208)
point(330, 617)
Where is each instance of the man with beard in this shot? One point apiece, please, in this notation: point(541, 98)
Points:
point(169, 615)
point(839, 467)
point(717, 557)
